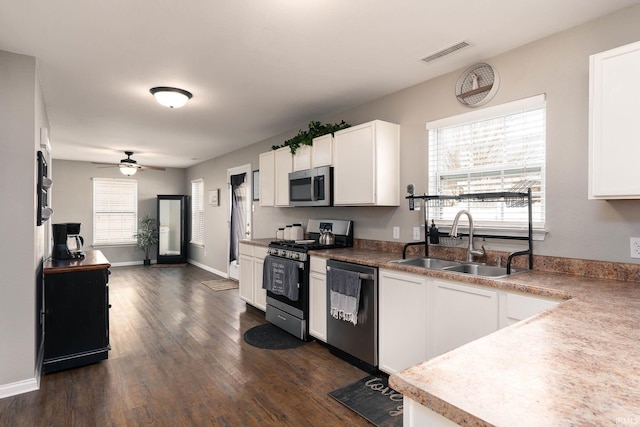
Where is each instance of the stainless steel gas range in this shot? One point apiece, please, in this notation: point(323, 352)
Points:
point(286, 274)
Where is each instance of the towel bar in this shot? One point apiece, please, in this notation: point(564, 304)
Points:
point(362, 276)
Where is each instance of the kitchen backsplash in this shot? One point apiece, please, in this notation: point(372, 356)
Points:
point(580, 267)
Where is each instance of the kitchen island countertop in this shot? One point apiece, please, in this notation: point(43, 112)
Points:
point(575, 364)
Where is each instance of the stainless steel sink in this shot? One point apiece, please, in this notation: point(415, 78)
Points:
point(471, 269)
point(479, 270)
point(432, 263)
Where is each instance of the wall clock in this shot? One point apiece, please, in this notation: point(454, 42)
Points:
point(477, 85)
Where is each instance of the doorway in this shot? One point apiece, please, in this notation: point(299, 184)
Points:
point(240, 191)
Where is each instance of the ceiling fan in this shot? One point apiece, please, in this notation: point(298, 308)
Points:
point(129, 166)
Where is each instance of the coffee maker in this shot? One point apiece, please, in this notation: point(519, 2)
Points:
point(67, 242)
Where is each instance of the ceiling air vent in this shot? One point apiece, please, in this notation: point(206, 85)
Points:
point(446, 51)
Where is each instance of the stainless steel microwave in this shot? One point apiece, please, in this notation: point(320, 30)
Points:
point(311, 187)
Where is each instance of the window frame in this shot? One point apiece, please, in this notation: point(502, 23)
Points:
point(133, 193)
point(499, 226)
point(197, 213)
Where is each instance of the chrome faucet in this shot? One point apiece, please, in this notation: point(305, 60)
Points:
point(471, 252)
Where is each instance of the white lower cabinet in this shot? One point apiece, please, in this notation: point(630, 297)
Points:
point(251, 266)
point(416, 415)
point(259, 295)
point(318, 298)
point(460, 314)
point(402, 320)
point(421, 317)
point(519, 307)
point(246, 276)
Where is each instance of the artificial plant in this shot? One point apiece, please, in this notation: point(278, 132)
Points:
point(146, 236)
point(305, 137)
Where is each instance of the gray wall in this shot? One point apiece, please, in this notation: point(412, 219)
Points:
point(558, 66)
point(22, 114)
point(73, 199)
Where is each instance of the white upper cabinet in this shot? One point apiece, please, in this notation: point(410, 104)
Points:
point(367, 165)
point(614, 146)
point(316, 155)
point(302, 158)
point(267, 178)
point(322, 151)
point(283, 165)
point(274, 177)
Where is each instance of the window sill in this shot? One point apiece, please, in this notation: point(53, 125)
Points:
point(197, 245)
point(112, 245)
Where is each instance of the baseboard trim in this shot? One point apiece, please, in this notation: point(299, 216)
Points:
point(209, 269)
point(190, 261)
point(130, 263)
point(18, 387)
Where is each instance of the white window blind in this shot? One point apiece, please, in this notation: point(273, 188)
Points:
point(197, 212)
point(503, 152)
point(115, 211)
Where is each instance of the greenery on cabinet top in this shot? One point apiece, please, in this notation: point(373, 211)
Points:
point(305, 137)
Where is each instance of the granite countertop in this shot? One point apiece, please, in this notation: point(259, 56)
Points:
point(575, 364)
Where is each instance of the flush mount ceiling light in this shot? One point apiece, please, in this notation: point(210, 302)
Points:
point(171, 97)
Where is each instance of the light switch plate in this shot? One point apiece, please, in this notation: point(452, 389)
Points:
point(416, 233)
point(635, 247)
point(396, 232)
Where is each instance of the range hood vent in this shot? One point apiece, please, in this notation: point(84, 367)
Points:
point(446, 51)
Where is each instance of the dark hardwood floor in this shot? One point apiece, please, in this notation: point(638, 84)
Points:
point(178, 358)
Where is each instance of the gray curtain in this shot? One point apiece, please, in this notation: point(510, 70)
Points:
point(238, 221)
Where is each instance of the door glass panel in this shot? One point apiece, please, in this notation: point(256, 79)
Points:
point(169, 231)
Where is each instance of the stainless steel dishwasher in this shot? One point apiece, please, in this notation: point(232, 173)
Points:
point(358, 343)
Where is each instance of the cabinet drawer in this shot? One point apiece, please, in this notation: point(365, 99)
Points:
point(246, 249)
point(259, 252)
point(318, 265)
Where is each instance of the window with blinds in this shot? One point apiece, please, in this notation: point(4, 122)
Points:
point(197, 212)
point(115, 211)
point(500, 149)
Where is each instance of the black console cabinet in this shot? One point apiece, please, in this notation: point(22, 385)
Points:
point(76, 312)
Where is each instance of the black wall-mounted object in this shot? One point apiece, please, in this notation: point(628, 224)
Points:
point(42, 190)
point(173, 229)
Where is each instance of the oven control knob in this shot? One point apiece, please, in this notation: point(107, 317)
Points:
point(283, 253)
point(295, 256)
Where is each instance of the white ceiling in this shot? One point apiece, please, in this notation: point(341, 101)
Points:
point(256, 68)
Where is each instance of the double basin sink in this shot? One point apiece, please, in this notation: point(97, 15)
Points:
point(473, 269)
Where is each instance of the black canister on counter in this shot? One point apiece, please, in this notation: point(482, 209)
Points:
point(434, 234)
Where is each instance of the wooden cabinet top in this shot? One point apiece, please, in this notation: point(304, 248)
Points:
point(93, 260)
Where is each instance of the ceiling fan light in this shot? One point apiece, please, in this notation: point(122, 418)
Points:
point(128, 170)
point(171, 97)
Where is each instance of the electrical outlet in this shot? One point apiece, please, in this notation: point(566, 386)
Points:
point(396, 232)
point(635, 247)
point(416, 233)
